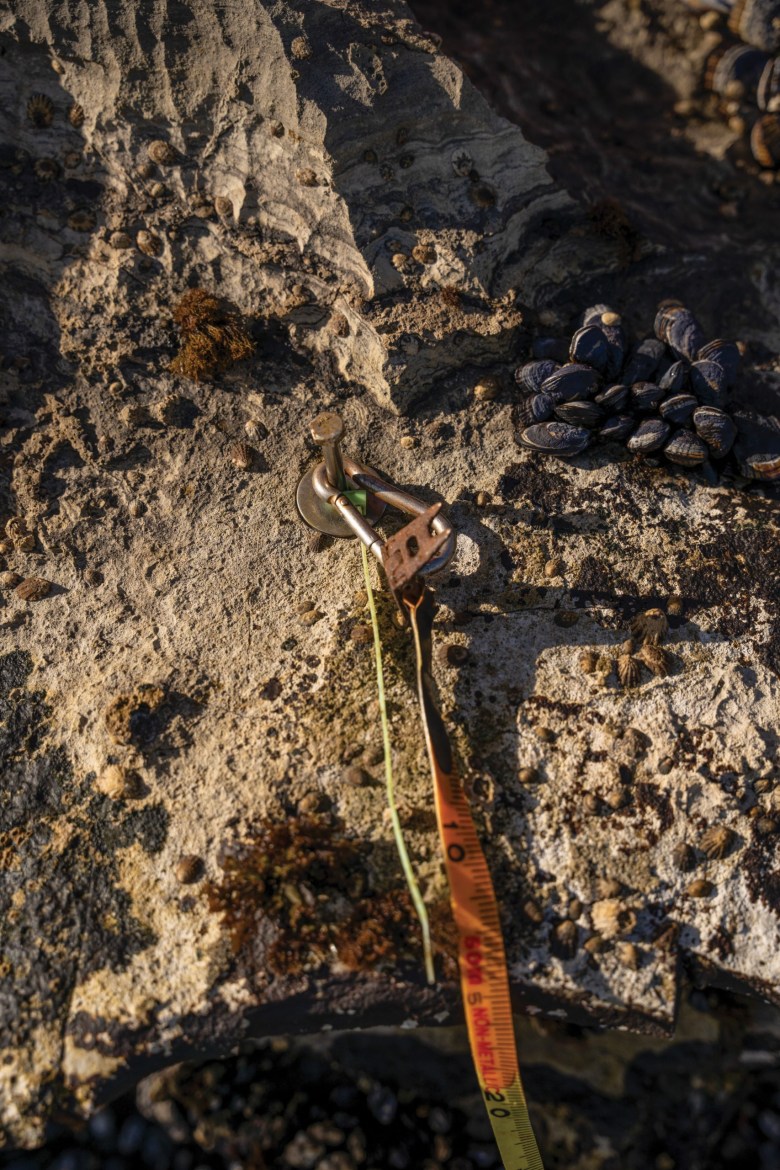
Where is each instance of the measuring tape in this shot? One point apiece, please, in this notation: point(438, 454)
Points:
point(343, 498)
point(481, 957)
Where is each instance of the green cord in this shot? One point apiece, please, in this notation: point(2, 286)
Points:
point(406, 864)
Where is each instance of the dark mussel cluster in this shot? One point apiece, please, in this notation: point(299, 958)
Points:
point(745, 74)
point(665, 396)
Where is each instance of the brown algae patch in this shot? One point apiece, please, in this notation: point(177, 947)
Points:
point(213, 336)
point(313, 885)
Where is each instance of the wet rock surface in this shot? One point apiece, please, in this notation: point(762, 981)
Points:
point(191, 672)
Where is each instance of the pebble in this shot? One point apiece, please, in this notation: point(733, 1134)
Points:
point(325, 1131)
point(131, 1135)
point(408, 442)
point(439, 1120)
point(337, 1161)
point(528, 776)
point(554, 567)
point(303, 1151)
point(383, 1104)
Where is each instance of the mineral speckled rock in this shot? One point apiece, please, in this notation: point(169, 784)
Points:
point(190, 666)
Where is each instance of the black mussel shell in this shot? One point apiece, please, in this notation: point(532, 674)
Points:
point(716, 428)
point(580, 414)
point(649, 436)
point(768, 90)
point(601, 348)
point(675, 378)
point(644, 361)
point(617, 428)
point(765, 141)
point(613, 397)
point(591, 346)
point(726, 354)
point(571, 382)
point(535, 408)
point(757, 466)
point(686, 448)
point(678, 409)
point(684, 334)
point(645, 396)
point(757, 22)
point(600, 341)
point(555, 348)
point(734, 72)
point(555, 438)
point(531, 375)
point(709, 382)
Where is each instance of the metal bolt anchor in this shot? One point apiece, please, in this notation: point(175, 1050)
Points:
point(327, 430)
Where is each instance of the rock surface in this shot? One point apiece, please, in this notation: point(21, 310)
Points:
point(191, 674)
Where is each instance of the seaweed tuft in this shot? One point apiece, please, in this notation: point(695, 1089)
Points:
point(213, 336)
point(312, 885)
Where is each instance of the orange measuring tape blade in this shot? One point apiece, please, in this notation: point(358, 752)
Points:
point(481, 957)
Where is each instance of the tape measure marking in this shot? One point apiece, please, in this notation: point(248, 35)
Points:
point(481, 956)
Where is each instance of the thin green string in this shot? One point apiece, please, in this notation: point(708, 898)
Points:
point(406, 864)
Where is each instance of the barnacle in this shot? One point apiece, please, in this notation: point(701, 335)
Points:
point(611, 917)
point(241, 454)
point(650, 626)
point(212, 333)
point(40, 110)
point(628, 670)
point(717, 841)
point(656, 659)
point(162, 152)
